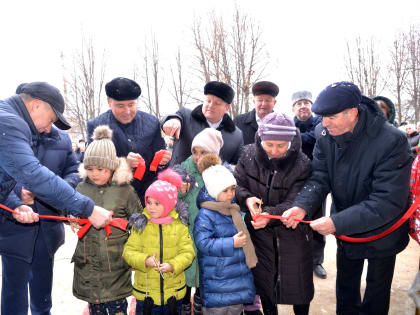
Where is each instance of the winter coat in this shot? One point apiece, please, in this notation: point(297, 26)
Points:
point(415, 192)
point(54, 151)
point(368, 173)
point(413, 139)
point(172, 244)
point(191, 273)
point(277, 182)
point(141, 136)
point(225, 279)
point(100, 273)
point(248, 124)
point(19, 164)
point(307, 133)
point(192, 122)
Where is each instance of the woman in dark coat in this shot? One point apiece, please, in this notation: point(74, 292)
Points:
point(272, 171)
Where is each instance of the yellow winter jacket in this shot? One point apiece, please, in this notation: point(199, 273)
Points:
point(172, 244)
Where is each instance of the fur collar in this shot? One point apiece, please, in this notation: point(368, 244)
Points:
point(122, 174)
point(226, 124)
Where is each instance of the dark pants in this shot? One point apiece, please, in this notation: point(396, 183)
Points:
point(118, 307)
point(18, 274)
point(318, 243)
point(378, 285)
point(157, 310)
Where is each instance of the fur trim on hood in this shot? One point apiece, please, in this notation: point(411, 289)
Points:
point(122, 174)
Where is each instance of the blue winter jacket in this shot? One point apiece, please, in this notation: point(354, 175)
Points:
point(54, 151)
point(141, 136)
point(19, 164)
point(225, 279)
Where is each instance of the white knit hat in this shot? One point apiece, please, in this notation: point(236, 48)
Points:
point(209, 139)
point(216, 179)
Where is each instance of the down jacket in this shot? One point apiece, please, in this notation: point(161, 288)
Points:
point(225, 278)
point(172, 244)
point(100, 273)
point(368, 174)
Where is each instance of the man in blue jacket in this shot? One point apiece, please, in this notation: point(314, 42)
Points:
point(33, 112)
point(365, 163)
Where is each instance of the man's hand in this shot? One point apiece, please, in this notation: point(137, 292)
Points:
point(100, 217)
point(324, 225)
point(27, 197)
point(133, 159)
point(25, 215)
point(172, 127)
point(260, 222)
point(239, 240)
point(166, 157)
point(292, 214)
point(254, 205)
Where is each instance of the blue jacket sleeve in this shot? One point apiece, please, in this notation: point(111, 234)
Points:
point(206, 240)
point(70, 173)
point(12, 202)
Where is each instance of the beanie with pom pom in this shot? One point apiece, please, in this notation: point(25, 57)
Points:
point(101, 151)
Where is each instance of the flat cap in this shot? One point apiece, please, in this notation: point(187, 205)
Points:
point(221, 90)
point(265, 87)
point(123, 89)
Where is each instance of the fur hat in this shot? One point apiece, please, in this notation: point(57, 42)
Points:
point(337, 97)
point(209, 139)
point(101, 152)
point(122, 89)
point(276, 126)
point(301, 95)
point(265, 87)
point(165, 190)
point(215, 176)
point(221, 90)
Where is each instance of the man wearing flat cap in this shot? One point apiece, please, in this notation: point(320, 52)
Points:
point(306, 123)
point(136, 134)
point(265, 93)
point(185, 124)
point(365, 163)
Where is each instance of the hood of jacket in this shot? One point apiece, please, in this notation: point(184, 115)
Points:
point(390, 105)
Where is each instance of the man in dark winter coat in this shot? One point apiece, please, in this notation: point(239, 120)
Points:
point(33, 111)
point(306, 123)
point(80, 151)
point(265, 93)
point(136, 134)
point(365, 163)
point(32, 262)
point(185, 124)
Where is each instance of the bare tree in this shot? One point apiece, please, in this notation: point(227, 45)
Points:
point(232, 54)
point(180, 92)
point(363, 67)
point(414, 71)
point(83, 85)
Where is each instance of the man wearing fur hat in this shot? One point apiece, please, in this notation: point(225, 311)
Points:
point(136, 134)
point(186, 123)
point(265, 93)
point(306, 123)
point(365, 163)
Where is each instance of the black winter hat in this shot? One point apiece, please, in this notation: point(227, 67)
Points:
point(49, 94)
point(221, 90)
point(265, 87)
point(337, 97)
point(123, 89)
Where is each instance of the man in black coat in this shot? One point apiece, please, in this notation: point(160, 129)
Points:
point(185, 124)
point(136, 134)
point(306, 123)
point(365, 163)
point(265, 93)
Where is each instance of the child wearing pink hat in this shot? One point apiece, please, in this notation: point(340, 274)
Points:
point(160, 248)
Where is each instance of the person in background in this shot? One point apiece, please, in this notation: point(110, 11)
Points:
point(387, 107)
point(81, 148)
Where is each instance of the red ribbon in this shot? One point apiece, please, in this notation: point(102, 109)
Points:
point(140, 170)
point(391, 229)
point(156, 160)
point(85, 223)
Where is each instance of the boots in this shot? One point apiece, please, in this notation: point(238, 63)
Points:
point(147, 306)
point(197, 305)
point(172, 306)
point(186, 309)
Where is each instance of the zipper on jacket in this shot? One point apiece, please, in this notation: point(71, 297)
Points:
point(162, 296)
point(268, 185)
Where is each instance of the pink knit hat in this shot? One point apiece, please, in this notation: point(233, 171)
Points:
point(165, 190)
point(276, 126)
point(209, 139)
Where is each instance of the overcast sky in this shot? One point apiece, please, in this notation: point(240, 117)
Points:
point(306, 39)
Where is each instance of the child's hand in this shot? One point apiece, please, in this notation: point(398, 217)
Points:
point(75, 226)
point(166, 267)
point(260, 222)
point(239, 240)
point(185, 187)
point(152, 262)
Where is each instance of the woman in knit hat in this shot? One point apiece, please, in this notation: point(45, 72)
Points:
point(160, 248)
point(270, 173)
point(101, 277)
point(224, 248)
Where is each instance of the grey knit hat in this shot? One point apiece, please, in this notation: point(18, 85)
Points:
point(301, 95)
point(101, 152)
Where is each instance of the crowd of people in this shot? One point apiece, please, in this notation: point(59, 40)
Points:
point(214, 227)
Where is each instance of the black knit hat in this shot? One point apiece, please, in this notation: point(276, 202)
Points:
point(265, 87)
point(221, 90)
point(122, 89)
